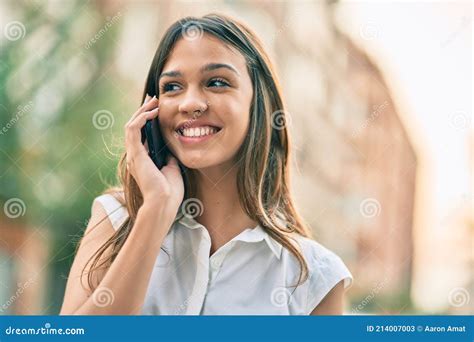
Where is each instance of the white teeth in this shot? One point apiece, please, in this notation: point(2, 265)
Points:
point(198, 131)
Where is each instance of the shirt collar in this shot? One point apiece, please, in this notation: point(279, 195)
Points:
point(248, 235)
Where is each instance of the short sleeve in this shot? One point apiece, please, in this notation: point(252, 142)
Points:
point(116, 212)
point(326, 270)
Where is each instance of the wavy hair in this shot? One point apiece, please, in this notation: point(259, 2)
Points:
point(263, 159)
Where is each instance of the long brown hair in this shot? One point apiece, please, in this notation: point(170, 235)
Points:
point(264, 157)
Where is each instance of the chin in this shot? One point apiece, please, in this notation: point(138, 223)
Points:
point(197, 160)
point(202, 160)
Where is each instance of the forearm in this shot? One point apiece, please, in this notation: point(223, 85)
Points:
point(125, 284)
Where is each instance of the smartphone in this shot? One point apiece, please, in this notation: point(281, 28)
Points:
point(157, 149)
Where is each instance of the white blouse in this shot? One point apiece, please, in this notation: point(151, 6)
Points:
point(249, 275)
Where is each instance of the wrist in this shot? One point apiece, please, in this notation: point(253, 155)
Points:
point(156, 212)
point(149, 208)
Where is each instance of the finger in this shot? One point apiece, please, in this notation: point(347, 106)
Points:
point(147, 106)
point(147, 98)
point(171, 170)
point(170, 159)
point(173, 162)
point(133, 129)
point(142, 118)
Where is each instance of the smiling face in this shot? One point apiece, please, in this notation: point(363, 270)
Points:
point(204, 74)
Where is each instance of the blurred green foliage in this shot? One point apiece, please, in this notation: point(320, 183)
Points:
point(54, 154)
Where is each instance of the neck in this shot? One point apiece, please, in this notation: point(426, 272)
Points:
point(223, 216)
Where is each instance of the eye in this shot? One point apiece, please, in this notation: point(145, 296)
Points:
point(218, 82)
point(168, 87)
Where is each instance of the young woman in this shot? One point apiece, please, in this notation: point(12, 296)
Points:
point(214, 231)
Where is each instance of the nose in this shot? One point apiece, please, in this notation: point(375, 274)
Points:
point(192, 102)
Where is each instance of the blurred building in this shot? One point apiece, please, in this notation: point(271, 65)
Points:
point(24, 267)
point(355, 166)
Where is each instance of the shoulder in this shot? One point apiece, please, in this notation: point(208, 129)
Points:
point(113, 204)
point(315, 253)
point(326, 270)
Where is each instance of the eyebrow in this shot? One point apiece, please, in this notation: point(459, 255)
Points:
point(205, 68)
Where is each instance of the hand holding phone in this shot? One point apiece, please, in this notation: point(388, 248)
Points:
point(156, 184)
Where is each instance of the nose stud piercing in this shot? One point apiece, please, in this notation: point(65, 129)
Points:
point(201, 110)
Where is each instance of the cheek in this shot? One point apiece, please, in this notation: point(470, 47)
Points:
point(236, 130)
point(238, 115)
point(167, 108)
